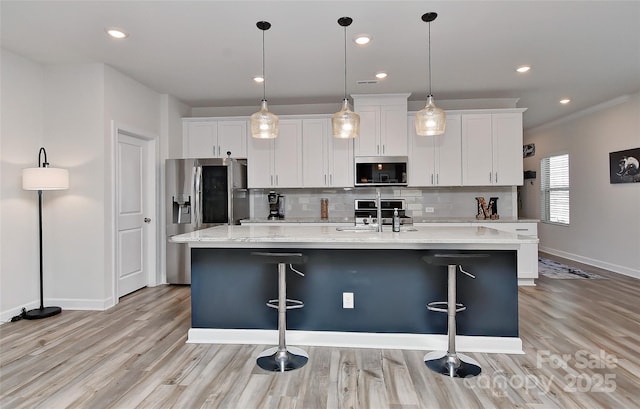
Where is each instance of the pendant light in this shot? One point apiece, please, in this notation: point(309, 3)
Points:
point(264, 124)
point(430, 120)
point(345, 123)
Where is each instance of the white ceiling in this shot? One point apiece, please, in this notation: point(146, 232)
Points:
point(206, 52)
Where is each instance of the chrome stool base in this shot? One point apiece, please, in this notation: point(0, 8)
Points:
point(454, 365)
point(275, 360)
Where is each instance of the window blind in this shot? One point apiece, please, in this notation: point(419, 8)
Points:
point(554, 185)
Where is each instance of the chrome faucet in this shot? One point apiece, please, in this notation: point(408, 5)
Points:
point(379, 209)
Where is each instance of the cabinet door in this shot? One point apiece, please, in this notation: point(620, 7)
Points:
point(507, 149)
point(421, 157)
point(232, 137)
point(447, 150)
point(340, 162)
point(368, 143)
point(260, 163)
point(288, 154)
point(477, 150)
point(315, 156)
point(393, 130)
point(200, 139)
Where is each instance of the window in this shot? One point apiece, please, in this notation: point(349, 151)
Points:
point(554, 189)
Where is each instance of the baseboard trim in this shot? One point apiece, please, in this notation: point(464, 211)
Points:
point(526, 282)
point(592, 262)
point(81, 304)
point(5, 316)
point(426, 342)
point(64, 303)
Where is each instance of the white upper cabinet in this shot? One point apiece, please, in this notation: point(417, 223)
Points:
point(436, 160)
point(326, 161)
point(492, 149)
point(276, 162)
point(207, 138)
point(232, 137)
point(383, 125)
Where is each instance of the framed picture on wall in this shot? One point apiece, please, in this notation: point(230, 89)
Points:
point(624, 166)
point(528, 150)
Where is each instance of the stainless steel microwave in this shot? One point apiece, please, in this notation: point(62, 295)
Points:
point(380, 171)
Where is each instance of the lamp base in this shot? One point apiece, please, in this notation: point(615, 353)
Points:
point(38, 313)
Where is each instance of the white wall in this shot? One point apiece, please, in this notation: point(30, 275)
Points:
point(21, 136)
point(74, 111)
point(69, 109)
point(605, 222)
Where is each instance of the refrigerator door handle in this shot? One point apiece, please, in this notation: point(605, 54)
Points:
point(197, 179)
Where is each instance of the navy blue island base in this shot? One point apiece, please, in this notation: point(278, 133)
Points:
point(391, 288)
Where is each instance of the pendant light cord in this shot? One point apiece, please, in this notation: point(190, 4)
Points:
point(264, 79)
point(429, 41)
point(345, 62)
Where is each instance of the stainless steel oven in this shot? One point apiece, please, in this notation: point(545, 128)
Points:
point(366, 211)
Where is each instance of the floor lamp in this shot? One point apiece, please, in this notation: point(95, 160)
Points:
point(43, 178)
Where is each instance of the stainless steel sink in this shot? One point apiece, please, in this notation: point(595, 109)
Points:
point(357, 228)
point(372, 229)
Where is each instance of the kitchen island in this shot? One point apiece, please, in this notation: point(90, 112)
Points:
point(384, 271)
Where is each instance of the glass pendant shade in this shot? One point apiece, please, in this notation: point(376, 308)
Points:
point(264, 124)
point(345, 123)
point(430, 120)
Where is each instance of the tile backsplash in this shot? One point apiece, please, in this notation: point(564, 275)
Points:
point(454, 202)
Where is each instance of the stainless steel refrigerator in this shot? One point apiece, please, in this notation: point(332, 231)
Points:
point(201, 193)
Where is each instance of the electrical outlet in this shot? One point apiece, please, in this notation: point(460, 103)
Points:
point(429, 209)
point(347, 300)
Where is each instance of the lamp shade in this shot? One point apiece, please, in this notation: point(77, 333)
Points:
point(45, 179)
point(345, 123)
point(264, 124)
point(430, 120)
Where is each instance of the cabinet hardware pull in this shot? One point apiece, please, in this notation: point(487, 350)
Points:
point(276, 180)
point(378, 149)
point(325, 178)
point(331, 179)
point(496, 177)
point(437, 178)
point(489, 177)
point(432, 178)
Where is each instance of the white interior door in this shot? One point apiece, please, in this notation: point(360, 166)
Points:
point(132, 237)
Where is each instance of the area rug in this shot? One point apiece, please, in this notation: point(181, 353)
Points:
point(553, 269)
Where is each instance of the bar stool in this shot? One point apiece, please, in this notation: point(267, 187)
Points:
point(280, 359)
point(451, 363)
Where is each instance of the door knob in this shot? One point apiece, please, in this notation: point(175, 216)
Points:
point(147, 220)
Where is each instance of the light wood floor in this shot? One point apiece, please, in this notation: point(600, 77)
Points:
point(581, 339)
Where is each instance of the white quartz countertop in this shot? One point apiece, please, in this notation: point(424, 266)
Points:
point(305, 236)
point(351, 220)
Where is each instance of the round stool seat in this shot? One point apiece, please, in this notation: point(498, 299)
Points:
point(277, 258)
point(446, 259)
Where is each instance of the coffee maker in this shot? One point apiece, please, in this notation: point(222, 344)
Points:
point(274, 212)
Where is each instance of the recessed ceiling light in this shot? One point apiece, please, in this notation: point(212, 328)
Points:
point(565, 101)
point(117, 33)
point(523, 68)
point(258, 79)
point(381, 75)
point(362, 39)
